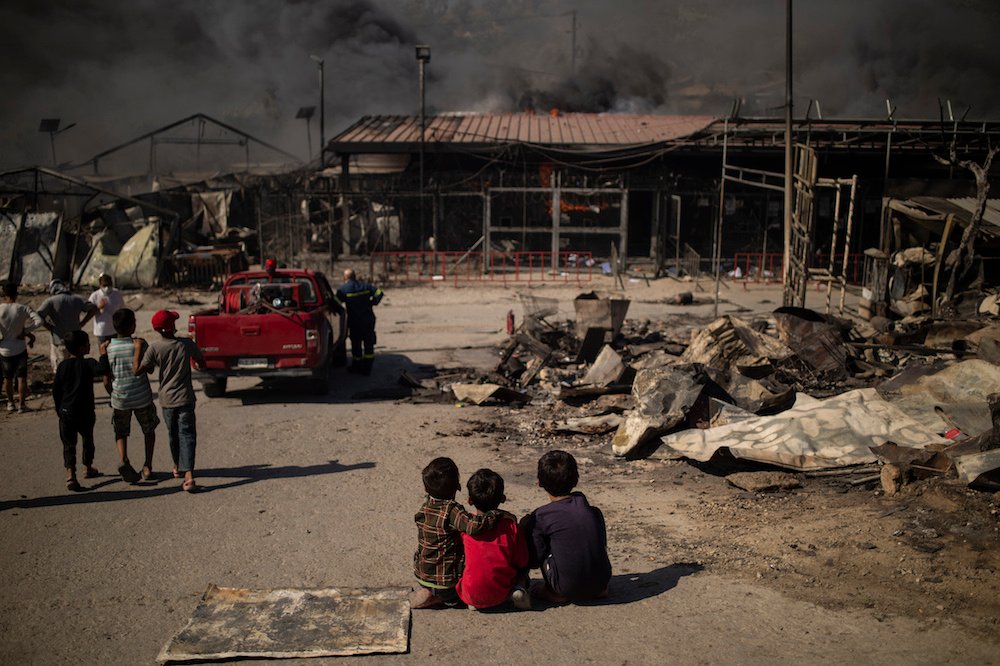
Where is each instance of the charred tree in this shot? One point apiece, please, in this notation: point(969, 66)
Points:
point(964, 255)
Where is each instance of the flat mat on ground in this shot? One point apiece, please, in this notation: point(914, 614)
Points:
point(236, 622)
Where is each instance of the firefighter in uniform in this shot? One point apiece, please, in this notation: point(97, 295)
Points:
point(359, 298)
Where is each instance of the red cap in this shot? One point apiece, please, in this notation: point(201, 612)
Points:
point(164, 319)
point(270, 265)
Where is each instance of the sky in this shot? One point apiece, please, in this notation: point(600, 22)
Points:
point(120, 68)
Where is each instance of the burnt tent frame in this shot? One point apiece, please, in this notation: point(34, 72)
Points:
point(22, 191)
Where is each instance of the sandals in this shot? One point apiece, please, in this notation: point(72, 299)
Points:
point(148, 474)
point(91, 473)
point(73, 485)
point(189, 486)
point(177, 475)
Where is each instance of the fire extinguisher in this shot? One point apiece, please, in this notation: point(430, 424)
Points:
point(510, 322)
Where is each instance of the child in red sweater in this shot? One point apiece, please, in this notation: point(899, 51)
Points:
point(493, 557)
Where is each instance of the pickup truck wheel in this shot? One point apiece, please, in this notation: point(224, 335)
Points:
point(215, 388)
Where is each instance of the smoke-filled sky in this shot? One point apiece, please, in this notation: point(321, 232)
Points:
point(120, 68)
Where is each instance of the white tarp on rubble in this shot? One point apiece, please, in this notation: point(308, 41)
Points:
point(813, 434)
point(958, 392)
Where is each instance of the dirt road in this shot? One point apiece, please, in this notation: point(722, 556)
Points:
point(302, 491)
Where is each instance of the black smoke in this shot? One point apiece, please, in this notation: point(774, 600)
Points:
point(119, 68)
point(625, 80)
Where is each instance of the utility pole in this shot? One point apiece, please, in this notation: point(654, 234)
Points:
point(306, 112)
point(789, 181)
point(423, 57)
point(572, 53)
point(322, 112)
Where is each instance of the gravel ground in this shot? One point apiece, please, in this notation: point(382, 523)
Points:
point(301, 491)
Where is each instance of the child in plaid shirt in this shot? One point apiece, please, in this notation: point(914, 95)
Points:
point(440, 556)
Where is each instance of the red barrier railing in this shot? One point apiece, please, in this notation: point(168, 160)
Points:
point(758, 266)
point(767, 266)
point(490, 267)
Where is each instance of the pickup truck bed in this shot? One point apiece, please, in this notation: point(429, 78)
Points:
point(285, 324)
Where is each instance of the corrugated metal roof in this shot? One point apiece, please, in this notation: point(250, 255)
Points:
point(564, 129)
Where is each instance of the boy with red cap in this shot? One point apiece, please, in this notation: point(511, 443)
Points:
point(173, 355)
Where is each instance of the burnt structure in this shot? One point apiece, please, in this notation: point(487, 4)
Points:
point(648, 184)
point(687, 193)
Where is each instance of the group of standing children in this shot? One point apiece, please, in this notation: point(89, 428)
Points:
point(60, 314)
point(125, 363)
point(482, 559)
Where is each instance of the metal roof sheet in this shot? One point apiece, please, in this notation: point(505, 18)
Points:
point(963, 208)
point(562, 129)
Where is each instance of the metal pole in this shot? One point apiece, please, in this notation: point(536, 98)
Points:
point(322, 117)
point(675, 200)
point(572, 56)
point(833, 249)
point(487, 227)
point(722, 211)
point(309, 141)
point(623, 232)
point(763, 246)
point(52, 140)
point(260, 228)
point(420, 201)
point(788, 143)
point(847, 241)
point(556, 218)
point(657, 224)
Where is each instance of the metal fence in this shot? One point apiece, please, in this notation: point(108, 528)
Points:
point(498, 268)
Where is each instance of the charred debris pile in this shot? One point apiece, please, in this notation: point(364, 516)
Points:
point(889, 402)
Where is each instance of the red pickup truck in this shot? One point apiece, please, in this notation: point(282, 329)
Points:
point(283, 324)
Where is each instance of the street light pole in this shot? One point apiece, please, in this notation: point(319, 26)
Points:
point(789, 180)
point(306, 112)
point(423, 57)
point(322, 111)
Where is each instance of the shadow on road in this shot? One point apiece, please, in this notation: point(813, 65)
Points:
point(623, 588)
point(631, 587)
point(382, 384)
point(260, 472)
point(167, 486)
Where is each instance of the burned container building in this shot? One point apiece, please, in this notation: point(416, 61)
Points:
point(697, 191)
point(663, 193)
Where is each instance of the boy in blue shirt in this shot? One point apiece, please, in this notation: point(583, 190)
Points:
point(568, 539)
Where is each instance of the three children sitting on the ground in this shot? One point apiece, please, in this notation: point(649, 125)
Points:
point(483, 559)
